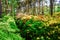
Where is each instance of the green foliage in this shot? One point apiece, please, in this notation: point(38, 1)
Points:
point(8, 29)
point(8, 23)
point(28, 29)
point(5, 35)
point(36, 30)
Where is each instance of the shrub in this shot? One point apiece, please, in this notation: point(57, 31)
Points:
point(36, 30)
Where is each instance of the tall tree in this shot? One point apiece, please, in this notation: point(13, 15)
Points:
point(39, 7)
point(27, 6)
point(54, 4)
point(0, 8)
point(6, 1)
point(51, 7)
point(42, 6)
point(33, 6)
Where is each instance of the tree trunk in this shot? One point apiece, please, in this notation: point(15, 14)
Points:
point(0, 8)
point(6, 6)
point(51, 7)
point(28, 6)
point(42, 7)
point(33, 7)
point(39, 7)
